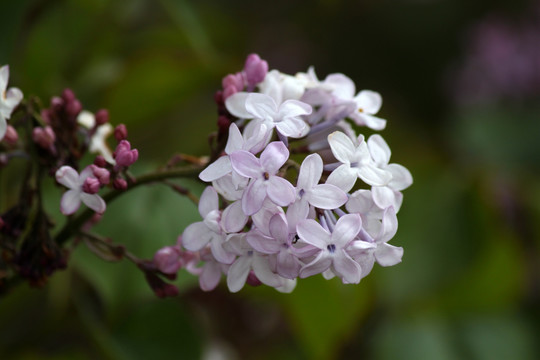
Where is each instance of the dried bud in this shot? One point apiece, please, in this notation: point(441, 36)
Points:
point(120, 132)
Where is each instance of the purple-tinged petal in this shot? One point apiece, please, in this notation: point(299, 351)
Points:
point(348, 269)
point(296, 212)
point(278, 228)
point(310, 172)
point(233, 218)
point(261, 268)
point(68, 177)
point(246, 164)
point(361, 201)
point(388, 255)
point(196, 236)
point(94, 202)
point(236, 105)
point(217, 169)
point(320, 264)
point(383, 196)
point(274, 156)
point(401, 177)
point(343, 177)
point(327, 196)
point(208, 202)
point(379, 150)
point(261, 106)
point(210, 276)
point(70, 202)
point(262, 243)
point(372, 122)
point(235, 141)
point(257, 135)
point(221, 255)
point(342, 147)
point(280, 191)
point(254, 196)
point(226, 188)
point(288, 265)
point(311, 232)
point(346, 229)
point(261, 219)
point(294, 108)
point(238, 273)
point(389, 226)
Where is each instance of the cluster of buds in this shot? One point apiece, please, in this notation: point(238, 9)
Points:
point(296, 191)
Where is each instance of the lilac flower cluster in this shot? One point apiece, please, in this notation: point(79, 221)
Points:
point(296, 191)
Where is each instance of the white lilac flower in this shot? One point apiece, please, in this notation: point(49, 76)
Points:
point(98, 141)
point(9, 99)
point(389, 195)
point(264, 181)
point(209, 231)
point(332, 247)
point(356, 162)
point(71, 200)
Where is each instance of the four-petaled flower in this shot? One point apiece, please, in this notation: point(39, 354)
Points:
point(78, 185)
point(9, 99)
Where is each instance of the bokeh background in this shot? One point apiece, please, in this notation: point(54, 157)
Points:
point(460, 81)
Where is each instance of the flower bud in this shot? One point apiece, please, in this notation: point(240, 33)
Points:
point(120, 184)
point(68, 95)
point(252, 279)
point(120, 132)
point(123, 154)
point(44, 137)
point(91, 185)
point(234, 80)
point(73, 108)
point(255, 69)
point(11, 137)
point(102, 117)
point(103, 175)
point(100, 161)
point(228, 91)
point(167, 259)
point(57, 104)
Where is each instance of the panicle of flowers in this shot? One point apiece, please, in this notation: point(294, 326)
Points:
point(294, 190)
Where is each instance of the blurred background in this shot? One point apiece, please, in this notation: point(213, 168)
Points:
point(460, 81)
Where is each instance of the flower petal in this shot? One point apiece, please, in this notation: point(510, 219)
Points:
point(233, 218)
point(208, 202)
point(374, 176)
point(246, 164)
point(278, 228)
point(196, 236)
point(379, 150)
point(369, 101)
point(388, 255)
point(288, 265)
point(94, 202)
point(389, 226)
point(217, 169)
point(262, 243)
point(383, 196)
point(261, 268)
point(68, 177)
point(210, 276)
point(293, 127)
point(254, 196)
point(320, 264)
point(342, 147)
point(343, 177)
point(221, 255)
point(261, 106)
point(327, 196)
point(3, 127)
point(280, 191)
point(401, 177)
point(348, 269)
point(236, 105)
point(4, 78)
point(238, 273)
point(293, 108)
point(361, 201)
point(346, 229)
point(274, 156)
point(70, 202)
point(310, 172)
point(311, 232)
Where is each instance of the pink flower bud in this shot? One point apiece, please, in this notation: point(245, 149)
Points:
point(103, 175)
point(218, 98)
point(252, 279)
point(167, 259)
point(11, 137)
point(57, 104)
point(120, 132)
point(73, 108)
point(68, 95)
point(234, 80)
point(44, 137)
point(255, 69)
point(120, 184)
point(123, 154)
point(102, 117)
point(228, 91)
point(100, 161)
point(91, 185)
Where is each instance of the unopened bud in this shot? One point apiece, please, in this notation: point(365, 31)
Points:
point(120, 132)
point(255, 69)
point(252, 279)
point(11, 137)
point(91, 185)
point(167, 259)
point(103, 175)
point(123, 154)
point(57, 104)
point(44, 137)
point(100, 161)
point(102, 117)
point(68, 95)
point(218, 97)
point(120, 184)
point(228, 91)
point(235, 80)
point(73, 108)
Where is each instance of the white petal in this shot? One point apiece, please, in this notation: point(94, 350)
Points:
point(310, 172)
point(379, 150)
point(70, 202)
point(388, 255)
point(348, 269)
point(374, 176)
point(342, 146)
point(86, 119)
point(254, 196)
point(217, 169)
point(236, 105)
point(221, 255)
point(401, 177)
point(210, 276)
point(208, 202)
point(372, 122)
point(389, 226)
point(280, 191)
point(327, 196)
point(261, 268)
point(94, 202)
point(3, 127)
point(369, 101)
point(343, 87)
point(311, 232)
point(238, 273)
point(361, 201)
point(320, 264)
point(261, 106)
point(235, 141)
point(274, 156)
point(4, 78)
point(233, 218)
point(346, 229)
point(293, 127)
point(383, 196)
point(196, 236)
point(68, 177)
point(293, 108)
point(343, 177)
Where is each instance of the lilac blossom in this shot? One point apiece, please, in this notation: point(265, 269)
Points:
point(264, 181)
point(9, 99)
point(77, 184)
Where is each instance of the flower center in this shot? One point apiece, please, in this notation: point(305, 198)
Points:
point(266, 176)
point(331, 248)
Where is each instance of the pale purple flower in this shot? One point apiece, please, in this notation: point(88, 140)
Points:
point(332, 247)
point(209, 231)
point(310, 192)
point(9, 99)
point(389, 195)
point(356, 163)
point(248, 259)
point(71, 200)
point(254, 139)
point(264, 181)
point(361, 202)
